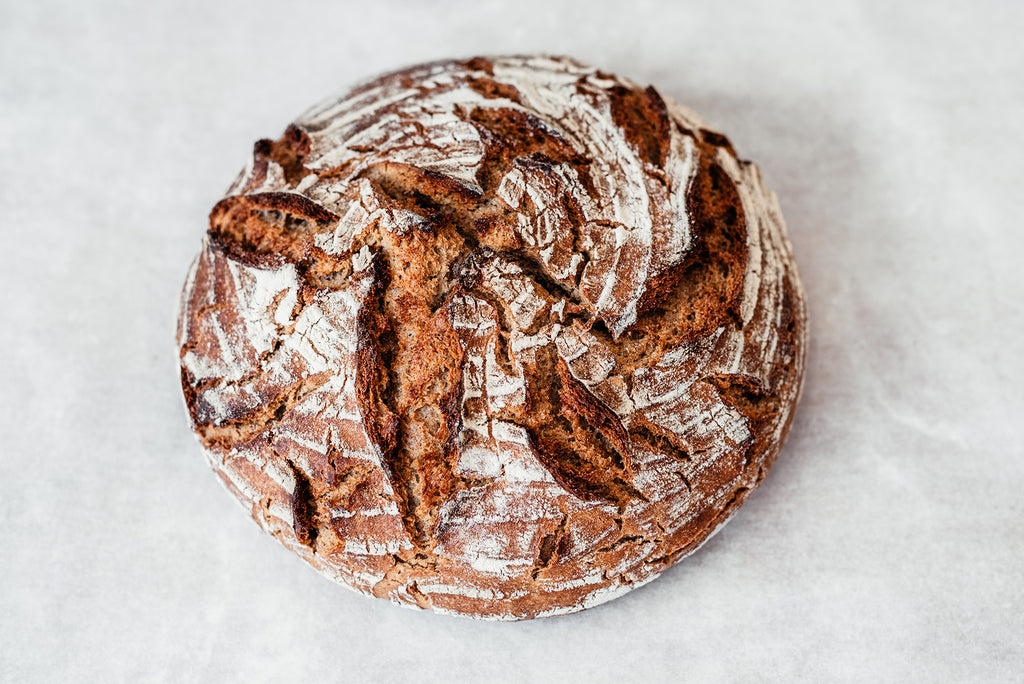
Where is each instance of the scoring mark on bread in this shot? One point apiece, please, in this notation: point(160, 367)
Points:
point(305, 515)
point(235, 430)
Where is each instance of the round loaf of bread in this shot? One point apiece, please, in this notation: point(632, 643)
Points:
point(503, 338)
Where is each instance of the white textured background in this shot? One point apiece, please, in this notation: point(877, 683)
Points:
point(888, 542)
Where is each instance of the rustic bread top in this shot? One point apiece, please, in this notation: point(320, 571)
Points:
point(504, 337)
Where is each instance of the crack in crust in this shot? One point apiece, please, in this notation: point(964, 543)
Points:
point(304, 509)
point(580, 440)
point(242, 428)
point(479, 324)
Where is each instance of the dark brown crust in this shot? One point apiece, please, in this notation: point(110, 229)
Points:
point(510, 134)
point(410, 359)
point(272, 228)
point(374, 392)
point(288, 152)
point(580, 440)
point(304, 513)
point(716, 139)
point(493, 90)
point(643, 116)
point(708, 286)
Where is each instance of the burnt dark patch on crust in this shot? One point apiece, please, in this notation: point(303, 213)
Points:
point(643, 117)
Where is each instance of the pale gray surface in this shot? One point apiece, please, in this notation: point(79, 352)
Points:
point(887, 543)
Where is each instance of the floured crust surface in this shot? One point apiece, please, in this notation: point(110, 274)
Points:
point(503, 338)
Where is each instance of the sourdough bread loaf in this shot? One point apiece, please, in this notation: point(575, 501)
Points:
point(503, 337)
